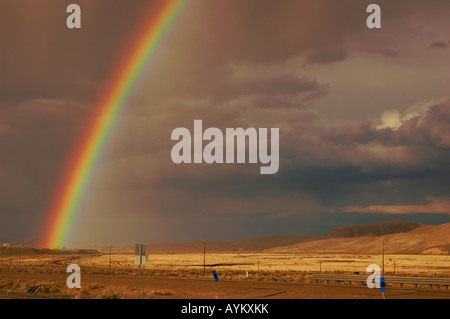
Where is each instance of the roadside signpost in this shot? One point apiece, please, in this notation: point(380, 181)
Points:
point(216, 278)
point(141, 259)
point(382, 279)
point(140, 255)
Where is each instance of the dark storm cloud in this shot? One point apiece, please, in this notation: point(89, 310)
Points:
point(266, 32)
point(49, 81)
point(430, 130)
point(228, 64)
point(341, 165)
point(325, 56)
point(315, 159)
point(438, 45)
point(422, 162)
point(270, 102)
point(224, 89)
point(42, 58)
point(383, 50)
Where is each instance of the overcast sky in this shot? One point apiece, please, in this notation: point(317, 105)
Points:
point(363, 116)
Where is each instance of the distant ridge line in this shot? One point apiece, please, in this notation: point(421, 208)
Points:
point(376, 229)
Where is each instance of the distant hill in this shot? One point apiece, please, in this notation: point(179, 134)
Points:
point(252, 244)
point(22, 250)
point(427, 239)
point(376, 229)
point(399, 237)
point(29, 251)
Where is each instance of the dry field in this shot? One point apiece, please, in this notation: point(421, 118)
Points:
point(270, 267)
point(399, 265)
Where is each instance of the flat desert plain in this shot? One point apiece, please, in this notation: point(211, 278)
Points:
point(116, 276)
point(406, 265)
point(110, 271)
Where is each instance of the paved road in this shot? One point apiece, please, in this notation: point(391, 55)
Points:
point(208, 289)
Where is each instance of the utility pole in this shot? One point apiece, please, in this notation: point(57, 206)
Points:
point(110, 248)
point(382, 271)
point(394, 267)
point(204, 257)
point(382, 291)
point(140, 265)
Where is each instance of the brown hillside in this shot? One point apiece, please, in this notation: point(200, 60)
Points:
point(427, 239)
point(252, 244)
point(357, 239)
point(376, 229)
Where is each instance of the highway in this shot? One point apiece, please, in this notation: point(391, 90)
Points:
point(180, 288)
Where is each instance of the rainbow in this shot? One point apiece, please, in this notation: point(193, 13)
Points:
point(118, 93)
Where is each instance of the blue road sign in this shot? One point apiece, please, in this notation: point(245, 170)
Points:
point(382, 284)
point(216, 278)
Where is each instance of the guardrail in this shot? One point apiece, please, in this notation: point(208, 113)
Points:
point(416, 281)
